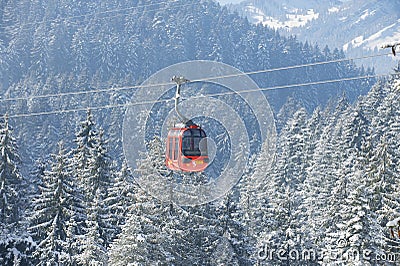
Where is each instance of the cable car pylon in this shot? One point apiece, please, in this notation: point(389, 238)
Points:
point(392, 46)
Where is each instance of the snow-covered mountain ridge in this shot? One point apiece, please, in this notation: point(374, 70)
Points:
point(358, 27)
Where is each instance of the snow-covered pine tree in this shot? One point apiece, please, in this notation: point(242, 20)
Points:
point(15, 243)
point(360, 228)
point(147, 236)
point(285, 231)
point(99, 230)
point(59, 201)
point(347, 142)
point(10, 178)
point(315, 186)
point(234, 245)
point(261, 211)
point(359, 232)
point(357, 229)
point(93, 169)
point(120, 198)
point(101, 178)
point(253, 209)
point(324, 198)
point(92, 243)
point(86, 141)
point(383, 171)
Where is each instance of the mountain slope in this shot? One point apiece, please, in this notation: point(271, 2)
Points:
point(358, 27)
point(77, 47)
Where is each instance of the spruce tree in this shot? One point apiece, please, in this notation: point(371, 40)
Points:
point(383, 170)
point(91, 242)
point(285, 229)
point(11, 204)
point(15, 243)
point(120, 198)
point(235, 245)
point(86, 141)
point(58, 203)
point(93, 169)
point(146, 237)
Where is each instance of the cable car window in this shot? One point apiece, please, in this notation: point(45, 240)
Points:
point(176, 148)
point(194, 143)
point(196, 132)
point(170, 145)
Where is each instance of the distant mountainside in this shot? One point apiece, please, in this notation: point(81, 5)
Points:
point(358, 27)
point(47, 48)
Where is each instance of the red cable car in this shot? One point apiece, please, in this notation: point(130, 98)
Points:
point(186, 149)
point(186, 144)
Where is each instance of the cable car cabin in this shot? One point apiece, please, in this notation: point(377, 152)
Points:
point(186, 149)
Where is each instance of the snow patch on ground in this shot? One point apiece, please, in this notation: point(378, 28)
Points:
point(296, 20)
point(293, 20)
point(354, 43)
point(375, 40)
point(379, 38)
point(333, 10)
point(365, 14)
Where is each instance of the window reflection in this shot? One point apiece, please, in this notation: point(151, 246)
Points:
point(194, 143)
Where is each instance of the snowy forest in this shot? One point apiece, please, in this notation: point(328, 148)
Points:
point(67, 196)
point(335, 177)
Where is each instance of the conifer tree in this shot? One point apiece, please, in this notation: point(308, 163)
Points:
point(235, 246)
point(11, 203)
point(323, 199)
point(146, 237)
point(253, 210)
point(383, 170)
point(285, 231)
point(15, 243)
point(57, 204)
point(120, 198)
point(86, 141)
point(100, 180)
point(93, 169)
point(91, 242)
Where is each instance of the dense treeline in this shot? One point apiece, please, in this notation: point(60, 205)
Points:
point(332, 190)
point(74, 46)
point(335, 184)
point(336, 171)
